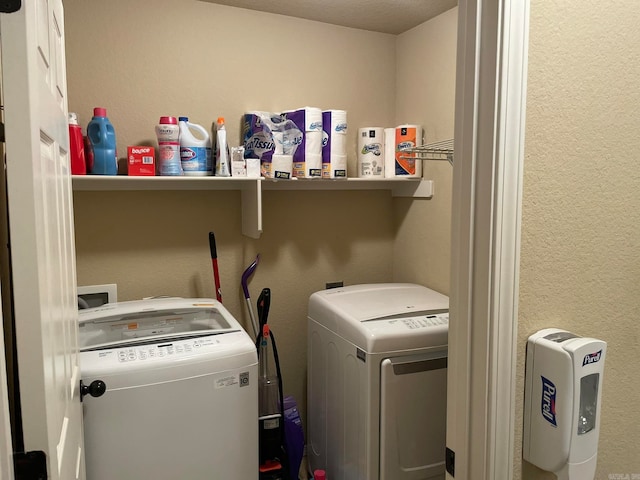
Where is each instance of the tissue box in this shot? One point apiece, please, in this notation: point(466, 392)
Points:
point(141, 161)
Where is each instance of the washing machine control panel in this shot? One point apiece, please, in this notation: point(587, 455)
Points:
point(415, 324)
point(163, 350)
point(426, 321)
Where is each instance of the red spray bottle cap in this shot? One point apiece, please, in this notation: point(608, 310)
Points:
point(168, 120)
point(319, 475)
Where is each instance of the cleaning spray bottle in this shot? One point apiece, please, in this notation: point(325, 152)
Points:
point(222, 150)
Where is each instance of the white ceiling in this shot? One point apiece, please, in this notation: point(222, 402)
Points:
point(386, 16)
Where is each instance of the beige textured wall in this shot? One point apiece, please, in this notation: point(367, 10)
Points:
point(426, 61)
point(149, 58)
point(580, 263)
point(156, 243)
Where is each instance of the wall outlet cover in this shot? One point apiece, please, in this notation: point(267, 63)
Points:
point(90, 296)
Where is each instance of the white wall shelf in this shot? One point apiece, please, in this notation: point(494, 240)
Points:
point(251, 189)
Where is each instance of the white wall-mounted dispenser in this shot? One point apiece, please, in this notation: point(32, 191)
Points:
point(563, 391)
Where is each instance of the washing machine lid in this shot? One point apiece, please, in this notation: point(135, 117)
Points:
point(384, 317)
point(126, 323)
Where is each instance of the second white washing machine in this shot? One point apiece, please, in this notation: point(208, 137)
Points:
point(377, 382)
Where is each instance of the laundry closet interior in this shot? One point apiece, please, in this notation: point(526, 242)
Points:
point(150, 58)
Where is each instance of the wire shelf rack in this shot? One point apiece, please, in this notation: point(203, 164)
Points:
point(433, 151)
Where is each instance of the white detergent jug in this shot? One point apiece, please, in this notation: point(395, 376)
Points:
point(195, 152)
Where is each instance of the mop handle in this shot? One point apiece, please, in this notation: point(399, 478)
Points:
point(254, 322)
point(214, 262)
point(245, 288)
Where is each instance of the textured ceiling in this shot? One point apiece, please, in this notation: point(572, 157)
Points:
point(387, 16)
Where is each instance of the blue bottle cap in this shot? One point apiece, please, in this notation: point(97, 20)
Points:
point(183, 119)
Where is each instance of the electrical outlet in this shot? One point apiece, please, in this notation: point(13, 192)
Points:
point(90, 296)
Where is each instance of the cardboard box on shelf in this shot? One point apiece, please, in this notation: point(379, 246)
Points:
point(141, 161)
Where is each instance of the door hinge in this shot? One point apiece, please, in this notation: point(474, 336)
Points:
point(450, 462)
point(10, 6)
point(1, 132)
point(30, 465)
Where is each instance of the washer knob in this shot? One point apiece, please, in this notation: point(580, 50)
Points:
point(95, 389)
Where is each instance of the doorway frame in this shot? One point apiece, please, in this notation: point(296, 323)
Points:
point(491, 76)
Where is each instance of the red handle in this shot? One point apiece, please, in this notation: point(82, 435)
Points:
point(214, 262)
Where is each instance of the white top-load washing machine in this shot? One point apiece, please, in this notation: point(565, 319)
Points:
point(181, 396)
point(377, 382)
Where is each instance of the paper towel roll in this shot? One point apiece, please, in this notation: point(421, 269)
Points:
point(307, 159)
point(334, 144)
point(407, 136)
point(337, 144)
point(389, 152)
point(312, 166)
point(371, 152)
point(281, 166)
point(337, 168)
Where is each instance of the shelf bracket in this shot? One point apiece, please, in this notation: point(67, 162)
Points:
point(422, 189)
point(252, 209)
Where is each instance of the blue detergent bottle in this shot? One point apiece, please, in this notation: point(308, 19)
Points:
point(102, 138)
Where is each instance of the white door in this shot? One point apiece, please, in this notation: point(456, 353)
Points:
point(41, 233)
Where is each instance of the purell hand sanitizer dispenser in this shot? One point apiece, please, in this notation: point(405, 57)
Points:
point(563, 389)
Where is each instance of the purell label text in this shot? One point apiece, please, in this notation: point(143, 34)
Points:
point(548, 404)
point(592, 358)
